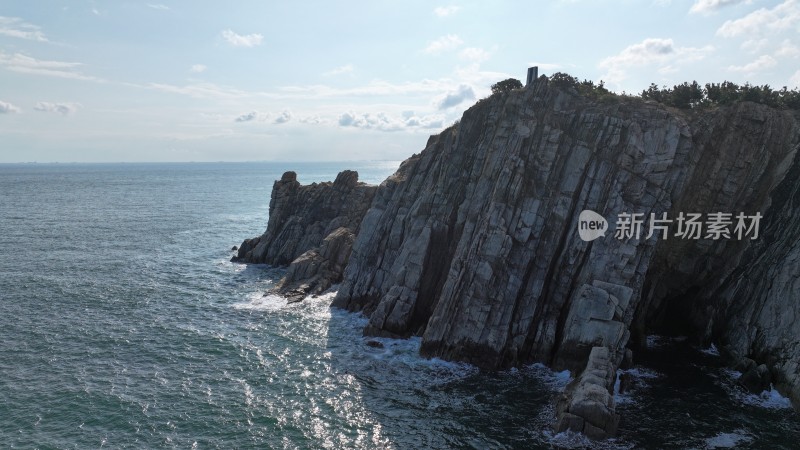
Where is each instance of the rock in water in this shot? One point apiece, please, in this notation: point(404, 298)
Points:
point(374, 344)
point(473, 244)
point(300, 217)
point(311, 229)
point(588, 407)
point(757, 379)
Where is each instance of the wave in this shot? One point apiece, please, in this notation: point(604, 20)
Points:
point(712, 350)
point(729, 440)
point(769, 399)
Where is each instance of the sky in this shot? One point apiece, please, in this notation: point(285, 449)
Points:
point(193, 80)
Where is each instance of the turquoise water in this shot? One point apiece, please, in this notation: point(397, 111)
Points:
point(124, 325)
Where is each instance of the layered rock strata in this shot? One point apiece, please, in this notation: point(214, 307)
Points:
point(588, 405)
point(473, 244)
point(312, 229)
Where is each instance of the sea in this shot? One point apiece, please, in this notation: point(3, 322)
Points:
point(123, 325)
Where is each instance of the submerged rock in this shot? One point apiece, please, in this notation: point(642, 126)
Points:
point(374, 344)
point(473, 243)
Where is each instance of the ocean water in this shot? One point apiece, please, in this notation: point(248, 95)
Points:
point(124, 325)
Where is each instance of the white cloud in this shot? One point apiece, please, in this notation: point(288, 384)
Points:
point(283, 117)
point(642, 53)
point(239, 40)
point(444, 43)
point(347, 68)
point(707, 6)
point(650, 51)
point(252, 116)
point(425, 122)
point(199, 90)
point(763, 62)
point(257, 116)
point(453, 98)
point(754, 45)
point(668, 70)
point(64, 109)
point(26, 64)
point(198, 68)
point(313, 120)
point(794, 81)
point(444, 11)
point(787, 50)
point(374, 88)
point(8, 108)
point(474, 54)
point(383, 122)
point(158, 6)
point(16, 27)
point(779, 18)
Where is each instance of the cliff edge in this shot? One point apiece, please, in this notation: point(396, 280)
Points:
point(473, 244)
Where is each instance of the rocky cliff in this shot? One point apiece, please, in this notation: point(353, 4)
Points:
point(473, 244)
point(311, 228)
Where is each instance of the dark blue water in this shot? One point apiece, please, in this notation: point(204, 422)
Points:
point(123, 325)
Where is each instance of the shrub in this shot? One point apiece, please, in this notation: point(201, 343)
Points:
point(506, 85)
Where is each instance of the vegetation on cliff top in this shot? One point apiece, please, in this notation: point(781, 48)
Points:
point(684, 96)
point(692, 95)
point(506, 85)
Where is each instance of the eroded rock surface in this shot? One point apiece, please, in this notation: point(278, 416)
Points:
point(473, 243)
point(311, 229)
point(588, 404)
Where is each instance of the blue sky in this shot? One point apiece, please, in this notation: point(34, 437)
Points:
point(187, 80)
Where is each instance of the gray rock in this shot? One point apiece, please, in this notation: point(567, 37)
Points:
point(311, 229)
point(590, 399)
point(473, 245)
point(316, 270)
point(300, 217)
point(374, 344)
point(757, 379)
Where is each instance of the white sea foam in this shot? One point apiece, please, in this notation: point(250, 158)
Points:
point(712, 350)
point(259, 302)
point(556, 381)
point(729, 440)
point(641, 377)
point(572, 440)
point(770, 399)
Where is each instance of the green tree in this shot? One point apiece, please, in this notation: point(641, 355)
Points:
point(655, 93)
point(506, 85)
point(564, 80)
point(687, 95)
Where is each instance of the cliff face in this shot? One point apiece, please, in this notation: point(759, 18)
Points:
point(473, 244)
point(311, 229)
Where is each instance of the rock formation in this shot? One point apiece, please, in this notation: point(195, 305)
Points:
point(312, 228)
point(587, 406)
point(473, 243)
